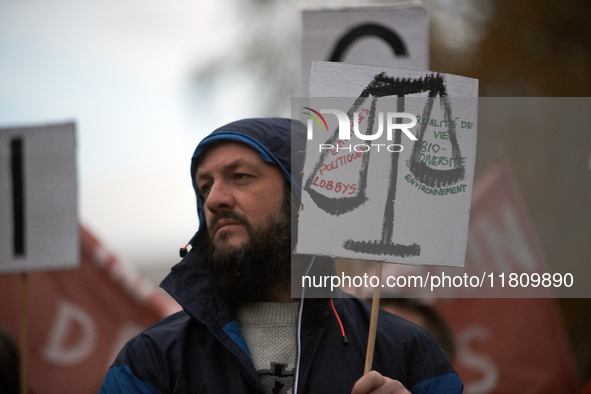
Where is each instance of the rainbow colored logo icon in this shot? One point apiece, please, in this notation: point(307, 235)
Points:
point(310, 114)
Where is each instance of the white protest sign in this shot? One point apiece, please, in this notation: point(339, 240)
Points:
point(384, 35)
point(396, 194)
point(38, 195)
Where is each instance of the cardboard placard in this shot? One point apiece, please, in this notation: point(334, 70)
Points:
point(385, 35)
point(38, 213)
point(386, 196)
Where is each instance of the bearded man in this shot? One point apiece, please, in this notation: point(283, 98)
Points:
point(241, 328)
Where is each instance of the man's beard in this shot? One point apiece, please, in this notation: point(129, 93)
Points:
point(252, 271)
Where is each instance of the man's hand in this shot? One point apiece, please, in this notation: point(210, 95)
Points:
point(373, 382)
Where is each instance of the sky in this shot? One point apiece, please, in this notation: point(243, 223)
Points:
point(120, 71)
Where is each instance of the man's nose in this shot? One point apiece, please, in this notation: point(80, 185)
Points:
point(219, 197)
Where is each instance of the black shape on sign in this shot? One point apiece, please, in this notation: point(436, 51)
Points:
point(389, 36)
point(382, 86)
point(18, 195)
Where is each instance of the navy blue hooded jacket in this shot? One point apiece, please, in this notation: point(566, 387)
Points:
point(201, 348)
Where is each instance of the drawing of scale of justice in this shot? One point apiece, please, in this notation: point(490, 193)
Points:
point(354, 164)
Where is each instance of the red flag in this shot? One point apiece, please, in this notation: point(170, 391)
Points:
point(507, 345)
point(79, 319)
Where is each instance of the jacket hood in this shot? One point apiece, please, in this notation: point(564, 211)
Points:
point(279, 141)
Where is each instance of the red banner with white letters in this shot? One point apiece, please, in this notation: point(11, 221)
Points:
point(79, 319)
point(507, 345)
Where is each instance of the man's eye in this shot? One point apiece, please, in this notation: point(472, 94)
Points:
point(241, 176)
point(204, 189)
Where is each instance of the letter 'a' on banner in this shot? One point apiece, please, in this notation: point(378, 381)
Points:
point(396, 186)
point(38, 195)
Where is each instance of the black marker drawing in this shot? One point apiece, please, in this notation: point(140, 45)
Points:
point(382, 86)
point(18, 195)
point(421, 171)
point(370, 29)
point(338, 206)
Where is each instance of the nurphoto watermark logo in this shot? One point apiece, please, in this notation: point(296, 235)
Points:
point(348, 127)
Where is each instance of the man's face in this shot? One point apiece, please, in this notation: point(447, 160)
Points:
point(240, 192)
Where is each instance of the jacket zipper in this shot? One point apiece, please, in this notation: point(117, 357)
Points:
point(299, 332)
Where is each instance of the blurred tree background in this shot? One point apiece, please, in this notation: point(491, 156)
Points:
point(527, 48)
point(539, 48)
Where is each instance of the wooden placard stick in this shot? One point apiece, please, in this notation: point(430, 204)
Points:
point(24, 337)
point(373, 322)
